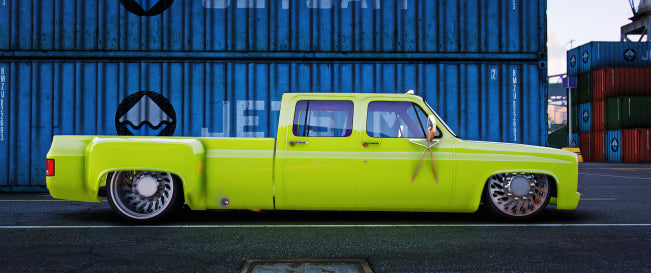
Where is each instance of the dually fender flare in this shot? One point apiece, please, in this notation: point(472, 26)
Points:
point(184, 158)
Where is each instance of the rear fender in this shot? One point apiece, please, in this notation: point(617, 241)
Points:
point(181, 157)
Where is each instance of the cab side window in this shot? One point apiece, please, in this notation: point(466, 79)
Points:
point(317, 118)
point(396, 119)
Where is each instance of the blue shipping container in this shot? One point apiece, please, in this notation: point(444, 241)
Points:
point(109, 28)
point(596, 55)
point(614, 145)
point(478, 101)
point(575, 140)
point(220, 67)
point(585, 117)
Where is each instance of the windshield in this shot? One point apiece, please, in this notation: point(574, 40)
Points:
point(440, 119)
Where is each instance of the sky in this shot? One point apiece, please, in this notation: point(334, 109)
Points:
point(581, 21)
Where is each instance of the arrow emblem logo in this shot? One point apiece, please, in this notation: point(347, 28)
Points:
point(614, 145)
point(146, 7)
point(586, 56)
point(630, 55)
point(586, 115)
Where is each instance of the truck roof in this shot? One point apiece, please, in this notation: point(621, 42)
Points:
point(356, 95)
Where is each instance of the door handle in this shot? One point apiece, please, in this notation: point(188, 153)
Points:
point(370, 143)
point(291, 143)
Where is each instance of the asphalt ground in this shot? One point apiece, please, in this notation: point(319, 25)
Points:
point(610, 231)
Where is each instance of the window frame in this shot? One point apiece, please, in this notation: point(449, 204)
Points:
point(350, 118)
point(438, 134)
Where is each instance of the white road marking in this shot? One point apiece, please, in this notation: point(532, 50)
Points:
point(618, 176)
point(35, 200)
point(328, 226)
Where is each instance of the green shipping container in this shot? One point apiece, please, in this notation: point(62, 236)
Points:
point(628, 113)
point(575, 118)
point(583, 88)
point(575, 96)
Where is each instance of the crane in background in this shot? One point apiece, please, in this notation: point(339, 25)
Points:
point(641, 22)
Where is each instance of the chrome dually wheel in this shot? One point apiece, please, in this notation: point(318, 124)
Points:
point(142, 196)
point(517, 195)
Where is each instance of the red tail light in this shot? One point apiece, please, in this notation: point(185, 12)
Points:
point(50, 167)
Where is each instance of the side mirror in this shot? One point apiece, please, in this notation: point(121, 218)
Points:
point(431, 128)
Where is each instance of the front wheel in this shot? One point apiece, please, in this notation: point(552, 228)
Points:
point(517, 195)
point(143, 196)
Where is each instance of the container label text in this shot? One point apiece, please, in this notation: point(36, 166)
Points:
point(246, 121)
point(3, 94)
point(515, 105)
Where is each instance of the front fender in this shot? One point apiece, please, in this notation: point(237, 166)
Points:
point(486, 159)
point(182, 157)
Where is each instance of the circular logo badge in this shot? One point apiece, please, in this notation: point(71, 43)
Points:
point(614, 145)
point(586, 56)
point(573, 61)
point(146, 7)
point(586, 116)
point(145, 113)
point(630, 55)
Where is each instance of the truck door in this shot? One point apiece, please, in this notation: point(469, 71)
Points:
point(391, 159)
point(321, 160)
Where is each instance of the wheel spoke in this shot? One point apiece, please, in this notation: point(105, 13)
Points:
point(508, 193)
point(129, 198)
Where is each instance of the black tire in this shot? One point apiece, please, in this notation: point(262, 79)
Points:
point(144, 196)
point(517, 196)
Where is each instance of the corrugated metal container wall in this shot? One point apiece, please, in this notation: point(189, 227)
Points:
point(575, 140)
point(630, 141)
point(599, 149)
point(583, 88)
point(621, 82)
point(586, 144)
point(597, 55)
point(220, 67)
point(637, 148)
point(575, 118)
point(585, 117)
point(645, 145)
point(461, 27)
point(242, 99)
point(628, 113)
point(599, 115)
point(614, 143)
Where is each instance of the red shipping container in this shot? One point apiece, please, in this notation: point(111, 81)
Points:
point(585, 143)
point(620, 82)
point(645, 145)
point(630, 143)
point(599, 148)
point(599, 115)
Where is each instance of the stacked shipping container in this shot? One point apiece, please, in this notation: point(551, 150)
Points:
point(220, 67)
point(612, 100)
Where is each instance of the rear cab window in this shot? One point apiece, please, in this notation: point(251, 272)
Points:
point(322, 118)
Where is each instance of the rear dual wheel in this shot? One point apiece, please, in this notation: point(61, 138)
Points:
point(517, 195)
point(143, 196)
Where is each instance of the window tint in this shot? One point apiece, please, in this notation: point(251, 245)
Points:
point(315, 118)
point(396, 119)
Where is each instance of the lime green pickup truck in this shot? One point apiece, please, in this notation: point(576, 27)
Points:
point(361, 152)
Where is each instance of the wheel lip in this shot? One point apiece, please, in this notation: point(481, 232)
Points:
point(499, 210)
point(118, 202)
